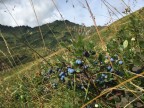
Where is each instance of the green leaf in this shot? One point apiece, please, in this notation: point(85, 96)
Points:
point(121, 48)
point(141, 44)
point(72, 63)
point(125, 43)
point(100, 58)
point(78, 70)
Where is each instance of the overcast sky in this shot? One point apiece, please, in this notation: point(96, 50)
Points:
point(73, 10)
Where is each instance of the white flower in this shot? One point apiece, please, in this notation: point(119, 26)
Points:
point(132, 39)
point(106, 61)
point(96, 105)
point(114, 39)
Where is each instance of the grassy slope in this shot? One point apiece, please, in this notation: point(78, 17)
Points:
point(110, 31)
point(24, 68)
point(107, 33)
point(53, 33)
point(30, 68)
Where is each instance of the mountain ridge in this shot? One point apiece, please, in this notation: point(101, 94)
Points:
point(52, 33)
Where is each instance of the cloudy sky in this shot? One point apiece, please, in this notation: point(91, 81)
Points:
point(73, 10)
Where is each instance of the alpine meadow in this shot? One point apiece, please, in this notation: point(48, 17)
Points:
point(72, 54)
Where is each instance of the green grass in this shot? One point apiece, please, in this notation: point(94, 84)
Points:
point(19, 39)
point(24, 86)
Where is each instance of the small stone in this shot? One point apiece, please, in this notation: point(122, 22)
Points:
point(136, 69)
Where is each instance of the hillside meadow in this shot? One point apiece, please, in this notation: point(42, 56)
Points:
point(67, 65)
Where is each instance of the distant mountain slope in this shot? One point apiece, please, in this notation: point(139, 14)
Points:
point(53, 33)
